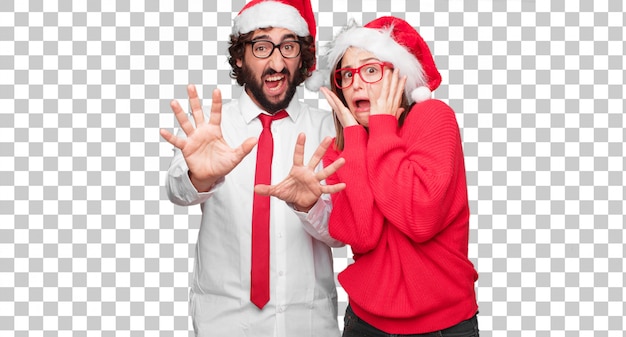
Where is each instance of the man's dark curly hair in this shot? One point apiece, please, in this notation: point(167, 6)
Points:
point(238, 46)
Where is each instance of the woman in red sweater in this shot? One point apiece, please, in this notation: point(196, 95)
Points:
point(404, 210)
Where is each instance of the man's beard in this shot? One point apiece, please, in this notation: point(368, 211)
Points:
point(254, 86)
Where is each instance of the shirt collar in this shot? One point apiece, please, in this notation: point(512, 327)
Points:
point(250, 111)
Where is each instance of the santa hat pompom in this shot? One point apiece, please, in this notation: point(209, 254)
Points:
point(318, 79)
point(421, 94)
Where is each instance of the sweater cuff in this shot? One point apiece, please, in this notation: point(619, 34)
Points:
point(354, 136)
point(382, 125)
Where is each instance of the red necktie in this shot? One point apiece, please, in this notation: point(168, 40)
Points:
point(260, 273)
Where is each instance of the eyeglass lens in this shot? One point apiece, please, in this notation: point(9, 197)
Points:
point(263, 48)
point(369, 73)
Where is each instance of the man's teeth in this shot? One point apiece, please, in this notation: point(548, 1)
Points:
point(274, 78)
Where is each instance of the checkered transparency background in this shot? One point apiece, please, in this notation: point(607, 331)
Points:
point(91, 246)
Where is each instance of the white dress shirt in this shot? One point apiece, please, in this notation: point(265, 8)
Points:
point(303, 298)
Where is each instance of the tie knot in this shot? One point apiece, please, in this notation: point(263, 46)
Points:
point(266, 120)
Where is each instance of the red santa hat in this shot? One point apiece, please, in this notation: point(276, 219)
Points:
point(393, 40)
point(295, 15)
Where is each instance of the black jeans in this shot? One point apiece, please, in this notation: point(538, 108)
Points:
point(356, 327)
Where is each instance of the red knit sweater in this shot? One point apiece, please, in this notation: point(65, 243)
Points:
point(405, 214)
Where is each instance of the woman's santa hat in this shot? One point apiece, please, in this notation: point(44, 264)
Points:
point(294, 15)
point(393, 40)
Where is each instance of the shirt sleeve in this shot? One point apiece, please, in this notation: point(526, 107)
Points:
point(315, 221)
point(416, 173)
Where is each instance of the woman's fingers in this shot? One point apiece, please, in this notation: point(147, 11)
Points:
point(399, 93)
point(343, 113)
point(389, 98)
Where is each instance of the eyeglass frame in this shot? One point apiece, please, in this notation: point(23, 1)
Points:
point(337, 76)
point(276, 46)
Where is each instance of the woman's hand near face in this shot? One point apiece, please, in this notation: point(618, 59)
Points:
point(343, 113)
point(390, 98)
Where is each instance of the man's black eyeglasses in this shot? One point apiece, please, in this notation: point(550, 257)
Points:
point(264, 48)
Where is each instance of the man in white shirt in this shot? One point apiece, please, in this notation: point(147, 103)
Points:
point(272, 52)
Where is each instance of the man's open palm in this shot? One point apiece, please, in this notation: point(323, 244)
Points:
point(206, 153)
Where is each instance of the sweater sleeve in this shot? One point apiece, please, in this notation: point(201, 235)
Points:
point(413, 170)
point(355, 219)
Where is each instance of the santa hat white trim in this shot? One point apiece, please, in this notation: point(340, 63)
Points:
point(270, 14)
point(380, 43)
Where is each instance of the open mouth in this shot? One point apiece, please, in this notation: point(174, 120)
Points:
point(274, 82)
point(362, 104)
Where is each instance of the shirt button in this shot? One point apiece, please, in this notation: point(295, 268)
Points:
point(281, 273)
